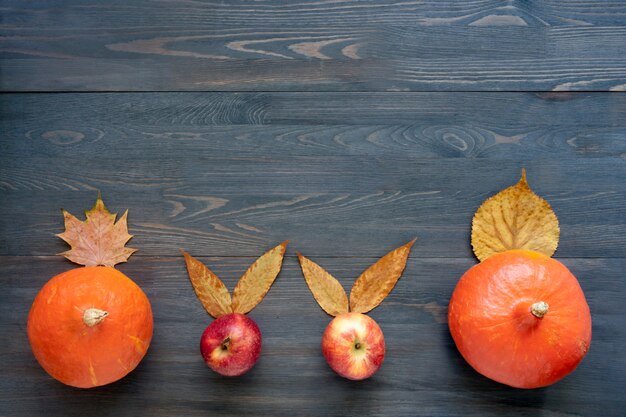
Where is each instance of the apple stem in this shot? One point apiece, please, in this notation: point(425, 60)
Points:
point(93, 316)
point(225, 343)
point(539, 309)
point(357, 345)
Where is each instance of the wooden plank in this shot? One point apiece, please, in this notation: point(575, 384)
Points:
point(229, 214)
point(185, 171)
point(196, 14)
point(313, 46)
point(422, 375)
point(497, 118)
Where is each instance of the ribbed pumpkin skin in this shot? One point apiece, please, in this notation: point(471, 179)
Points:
point(491, 323)
point(83, 356)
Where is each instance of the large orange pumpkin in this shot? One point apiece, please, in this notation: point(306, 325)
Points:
point(520, 318)
point(90, 326)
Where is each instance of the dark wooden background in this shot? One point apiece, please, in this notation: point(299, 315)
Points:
point(348, 127)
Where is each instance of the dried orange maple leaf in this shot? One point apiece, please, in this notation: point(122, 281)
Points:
point(210, 290)
point(377, 281)
point(515, 218)
point(257, 280)
point(98, 240)
point(328, 292)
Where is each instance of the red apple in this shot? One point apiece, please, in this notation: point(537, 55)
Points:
point(353, 345)
point(231, 345)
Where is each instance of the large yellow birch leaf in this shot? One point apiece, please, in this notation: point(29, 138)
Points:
point(515, 218)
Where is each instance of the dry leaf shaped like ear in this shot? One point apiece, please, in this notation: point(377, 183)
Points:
point(515, 218)
point(258, 279)
point(210, 290)
point(98, 240)
point(371, 288)
point(328, 292)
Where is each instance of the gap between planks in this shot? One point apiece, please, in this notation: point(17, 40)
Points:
point(306, 92)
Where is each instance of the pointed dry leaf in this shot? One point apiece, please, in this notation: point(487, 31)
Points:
point(210, 290)
point(371, 288)
point(98, 240)
point(328, 292)
point(515, 218)
point(258, 279)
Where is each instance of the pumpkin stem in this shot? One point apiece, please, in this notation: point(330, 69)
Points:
point(93, 316)
point(539, 309)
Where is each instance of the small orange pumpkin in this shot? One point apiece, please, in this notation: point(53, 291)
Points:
point(91, 326)
point(520, 318)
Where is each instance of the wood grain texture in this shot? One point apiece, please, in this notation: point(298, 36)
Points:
point(542, 122)
point(197, 13)
point(188, 167)
point(313, 45)
point(422, 375)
